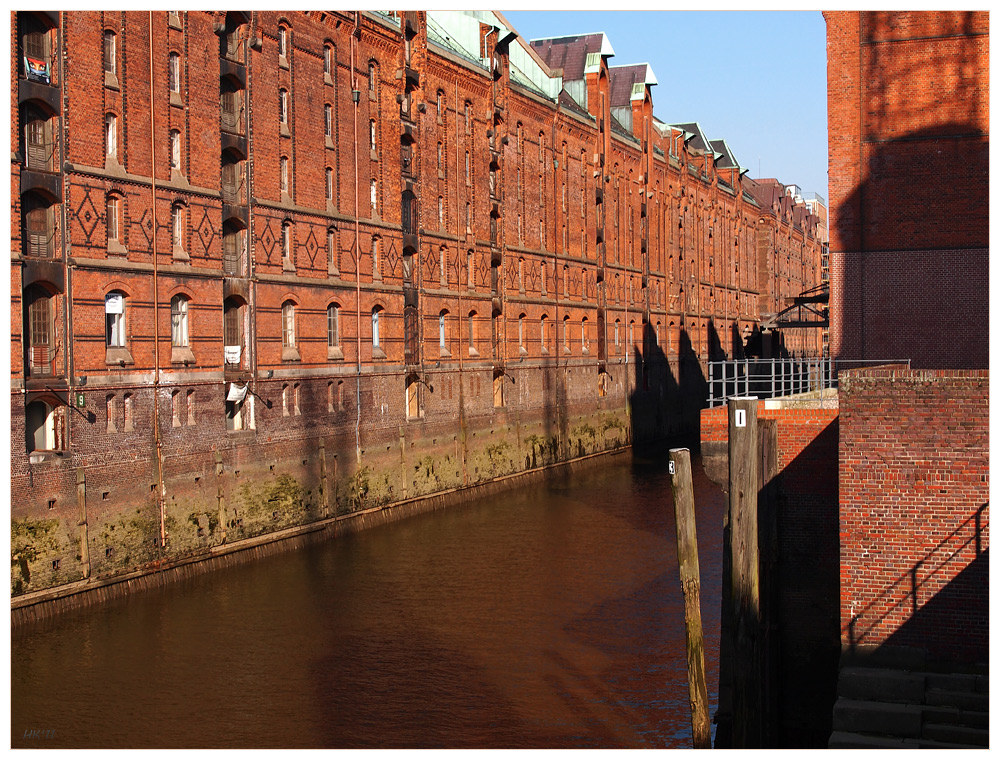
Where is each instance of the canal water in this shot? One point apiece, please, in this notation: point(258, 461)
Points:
point(548, 617)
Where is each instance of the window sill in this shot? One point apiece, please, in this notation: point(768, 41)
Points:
point(111, 81)
point(290, 354)
point(118, 355)
point(180, 254)
point(115, 248)
point(284, 131)
point(175, 99)
point(181, 355)
point(282, 62)
point(327, 79)
point(334, 352)
point(329, 142)
point(378, 353)
point(522, 351)
point(473, 352)
point(444, 353)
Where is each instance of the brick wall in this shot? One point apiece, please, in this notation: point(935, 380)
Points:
point(914, 514)
point(909, 141)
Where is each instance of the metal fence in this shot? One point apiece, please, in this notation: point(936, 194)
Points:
point(772, 378)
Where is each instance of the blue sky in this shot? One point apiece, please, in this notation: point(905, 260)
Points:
point(754, 78)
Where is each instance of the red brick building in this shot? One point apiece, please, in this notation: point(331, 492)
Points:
point(909, 186)
point(268, 268)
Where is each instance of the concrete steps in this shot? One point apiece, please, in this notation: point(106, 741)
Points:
point(880, 707)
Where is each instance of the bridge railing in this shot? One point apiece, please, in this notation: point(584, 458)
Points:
point(774, 378)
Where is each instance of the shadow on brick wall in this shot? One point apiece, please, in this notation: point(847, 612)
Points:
point(952, 625)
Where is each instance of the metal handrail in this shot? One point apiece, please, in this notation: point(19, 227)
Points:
point(775, 378)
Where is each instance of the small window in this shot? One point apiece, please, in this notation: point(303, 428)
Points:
point(175, 73)
point(114, 314)
point(327, 60)
point(114, 218)
point(286, 243)
point(376, 259)
point(333, 330)
point(179, 321)
point(287, 326)
point(283, 107)
point(376, 340)
point(110, 53)
point(371, 77)
point(177, 226)
point(371, 134)
point(282, 42)
point(328, 120)
point(333, 262)
point(374, 197)
point(111, 134)
point(329, 183)
point(175, 150)
point(284, 174)
point(472, 332)
point(442, 331)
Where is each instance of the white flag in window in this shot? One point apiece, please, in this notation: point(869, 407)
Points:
point(232, 354)
point(236, 393)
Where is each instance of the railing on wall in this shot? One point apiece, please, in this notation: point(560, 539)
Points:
point(773, 378)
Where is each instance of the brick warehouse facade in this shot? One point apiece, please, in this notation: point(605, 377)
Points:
point(268, 269)
point(909, 186)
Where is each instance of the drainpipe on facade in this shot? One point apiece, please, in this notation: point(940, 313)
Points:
point(249, 237)
point(356, 96)
point(156, 322)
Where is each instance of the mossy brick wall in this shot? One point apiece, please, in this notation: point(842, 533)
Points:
point(914, 510)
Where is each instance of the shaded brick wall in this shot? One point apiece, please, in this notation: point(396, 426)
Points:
point(909, 142)
point(914, 510)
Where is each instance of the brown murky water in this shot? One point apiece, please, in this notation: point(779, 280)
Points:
point(551, 617)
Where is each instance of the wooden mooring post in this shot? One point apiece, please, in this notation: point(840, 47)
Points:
point(687, 559)
point(745, 578)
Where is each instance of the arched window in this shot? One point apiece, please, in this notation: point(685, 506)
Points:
point(413, 401)
point(328, 60)
point(584, 347)
point(39, 146)
point(175, 150)
point(371, 133)
point(179, 321)
point(283, 166)
point(288, 324)
point(542, 330)
point(45, 427)
point(39, 226)
point(231, 105)
point(286, 245)
point(333, 350)
point(233, 310)
point(328, 120)
point(376, 337)
point(374, 197)
point(110, 53)
point(174, 72)
point(40, 330)
point(372, 74)
point(520, 334)
point(283, 107)
point(114, 218)
point(376, 259)
point(283, 34)
point(329, 184)
point(177, 227)
point(443, 332)
point(472, 334)
point(111, 135)
point(332, 252)
point(233, 244)
point(565, 335)
point(114, 322)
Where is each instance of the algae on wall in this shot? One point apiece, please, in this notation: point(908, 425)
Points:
point(37, 549)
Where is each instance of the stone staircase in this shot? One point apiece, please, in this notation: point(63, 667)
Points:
point(883, 707)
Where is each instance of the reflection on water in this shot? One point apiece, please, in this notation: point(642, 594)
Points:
point(549, 617)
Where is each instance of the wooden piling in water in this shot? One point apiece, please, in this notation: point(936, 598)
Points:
point(687, 559)
point(745, 579)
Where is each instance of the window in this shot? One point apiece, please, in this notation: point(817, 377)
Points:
point(371, 134)
point(468, 217)
point(45, 427)
point(468, 169)
point(328, 120)
point(179, 321)
point(114, 218)
point(444, 267)
point(284, 399)
point(175, 150)
point(468, 118)
point(498, 388)
point(284, 174)
point(40, 331)
point(412, 397)
point(333, 350)
point(175, 408)
point(288, 324)
point(442, 334)
point(282, 42)
point(177, 227)
point(35, 40)
point(329, 184)
point(374, 197)
point(617, 337)
point(543, 328)
point(376, 340)
point(439, 105)
point(39, 226)
point(283, 107)
point(440, 212)
point(232, 331)
point(565, 335)
point(327, 60)
point(110, 410)
point(520, 335)
point(111, 134)
point(286, 245)
point(232, 249)
point(114, 316)
point(175, 73)
point(371, 78)
point(38, 144)
point(583, 336)
point(190, 407)
point(472, 334)
point(440, 157)
point(110, 66)
point(470, 269)
point(376, 259)
point(231, 106)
